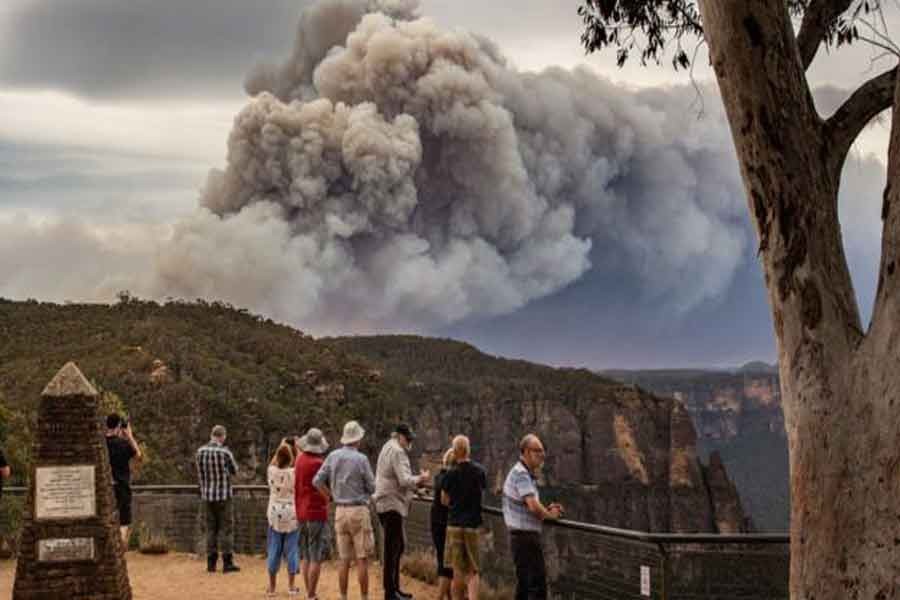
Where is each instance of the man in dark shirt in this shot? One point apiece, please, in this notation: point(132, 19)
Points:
point(5, 471)
point(461, 491)
point(122, 448)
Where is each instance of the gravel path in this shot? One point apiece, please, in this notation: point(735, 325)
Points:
point(181, 576)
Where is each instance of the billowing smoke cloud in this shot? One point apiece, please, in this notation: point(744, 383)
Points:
point(393, 174)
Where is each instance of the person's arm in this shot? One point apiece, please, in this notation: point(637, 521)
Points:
point(528, 492)
point(368, 479)
point(232, 463)
point(445, 498)
point(135, 448)
point(540, 511)
point(403, 471)
point(322, 478)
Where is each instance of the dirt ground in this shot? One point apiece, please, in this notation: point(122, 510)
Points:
point(181, 576)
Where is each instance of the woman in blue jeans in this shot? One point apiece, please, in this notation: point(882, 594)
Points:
point(283, 527)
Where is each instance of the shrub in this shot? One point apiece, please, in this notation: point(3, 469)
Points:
point(421, 565)
point(152, 542)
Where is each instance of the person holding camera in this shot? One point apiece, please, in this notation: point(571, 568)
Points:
point(122, 449)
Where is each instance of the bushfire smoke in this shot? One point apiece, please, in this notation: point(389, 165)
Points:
point(394, 174)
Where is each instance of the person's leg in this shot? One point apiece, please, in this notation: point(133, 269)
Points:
point(345, 547)
point(393, 546)
point(444, 588)
point(226, 537)
point(212, 533)
point(517, 546)
point(474, 584)
point(458, 586)
point(402, 531)
point(362, 575)
point(538, 570)
point(319, 545)
point(344, 576)
point(292, 554)
point(274, 543)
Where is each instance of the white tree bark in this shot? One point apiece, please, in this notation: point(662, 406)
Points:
point(840, 385)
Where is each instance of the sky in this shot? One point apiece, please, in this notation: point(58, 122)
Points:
point(600, 222)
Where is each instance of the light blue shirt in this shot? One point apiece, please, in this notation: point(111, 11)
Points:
point(518, 486)
point(348, 475)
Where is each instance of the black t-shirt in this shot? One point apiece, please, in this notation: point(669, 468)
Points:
point(120, 453)
point(464, 483)
point(438, 510)
point(3, 464)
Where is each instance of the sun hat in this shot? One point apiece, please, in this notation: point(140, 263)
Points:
point(314, 442)
point(353, 432)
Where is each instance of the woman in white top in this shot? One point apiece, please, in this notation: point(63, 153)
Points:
point(283, 527)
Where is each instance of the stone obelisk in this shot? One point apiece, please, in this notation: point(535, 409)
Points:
point(70, 546)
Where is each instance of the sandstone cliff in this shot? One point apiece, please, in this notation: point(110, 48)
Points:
point(616, 455)
point(739, 415)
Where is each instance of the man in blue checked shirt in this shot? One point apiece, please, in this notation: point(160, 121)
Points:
point(215, 468)
point(524, 515)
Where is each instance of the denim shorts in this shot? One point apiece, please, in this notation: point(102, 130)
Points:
point(315, 541)
point(282, 546)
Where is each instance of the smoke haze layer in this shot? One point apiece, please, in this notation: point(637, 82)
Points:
point(391, 174)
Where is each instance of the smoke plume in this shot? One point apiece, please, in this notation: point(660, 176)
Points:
point(394, 174)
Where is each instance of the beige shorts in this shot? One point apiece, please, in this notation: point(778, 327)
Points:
point(461, 552)
point(353, 528)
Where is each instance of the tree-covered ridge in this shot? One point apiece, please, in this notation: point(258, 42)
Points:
point(435, 360)
point(177, 369)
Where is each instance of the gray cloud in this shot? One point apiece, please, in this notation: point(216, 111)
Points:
point(140, 48)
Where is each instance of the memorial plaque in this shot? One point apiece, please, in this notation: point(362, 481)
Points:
point(66, 550)
point(65, 493)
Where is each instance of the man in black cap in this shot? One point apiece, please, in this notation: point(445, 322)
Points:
point(395, 486)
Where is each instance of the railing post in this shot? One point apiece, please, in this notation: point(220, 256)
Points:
point(666, 578)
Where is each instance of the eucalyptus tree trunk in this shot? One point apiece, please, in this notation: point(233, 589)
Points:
point(840, 385)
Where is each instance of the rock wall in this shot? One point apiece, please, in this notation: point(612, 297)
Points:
point(623, 458)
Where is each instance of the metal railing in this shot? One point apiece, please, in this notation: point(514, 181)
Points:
point(598, 562)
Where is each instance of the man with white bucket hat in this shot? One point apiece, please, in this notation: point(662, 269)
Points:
point(346, 478)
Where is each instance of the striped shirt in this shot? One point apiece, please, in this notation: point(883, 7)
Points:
point(518, 486)
point(215, 466)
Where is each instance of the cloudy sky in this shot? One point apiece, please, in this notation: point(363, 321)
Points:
point(628, 248)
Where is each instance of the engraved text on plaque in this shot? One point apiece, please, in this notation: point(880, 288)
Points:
point(65, 492)
point(66, 550)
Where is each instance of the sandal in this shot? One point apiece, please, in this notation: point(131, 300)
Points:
point(293, 592)
point(271, 594)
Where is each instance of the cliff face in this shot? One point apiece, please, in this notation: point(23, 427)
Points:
point(723, 406)
point(739, 416)
point(616, 455)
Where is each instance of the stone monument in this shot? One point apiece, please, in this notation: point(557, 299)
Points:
point(70, 546)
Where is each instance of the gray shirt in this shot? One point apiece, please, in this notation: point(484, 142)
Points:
point(348, 475)
point(394, 483)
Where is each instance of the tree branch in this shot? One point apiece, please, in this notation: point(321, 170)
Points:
point(872, 98)
point(885, 325)
point(818, 19)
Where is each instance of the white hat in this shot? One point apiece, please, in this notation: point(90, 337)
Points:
point(353, 432)
point(314, 442)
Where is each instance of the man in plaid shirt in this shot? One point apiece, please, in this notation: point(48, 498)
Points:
point(215, 467)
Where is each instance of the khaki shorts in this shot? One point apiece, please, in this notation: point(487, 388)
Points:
point(461, 552)
point(353, 527)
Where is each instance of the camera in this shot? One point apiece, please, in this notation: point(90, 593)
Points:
point(123, 423)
